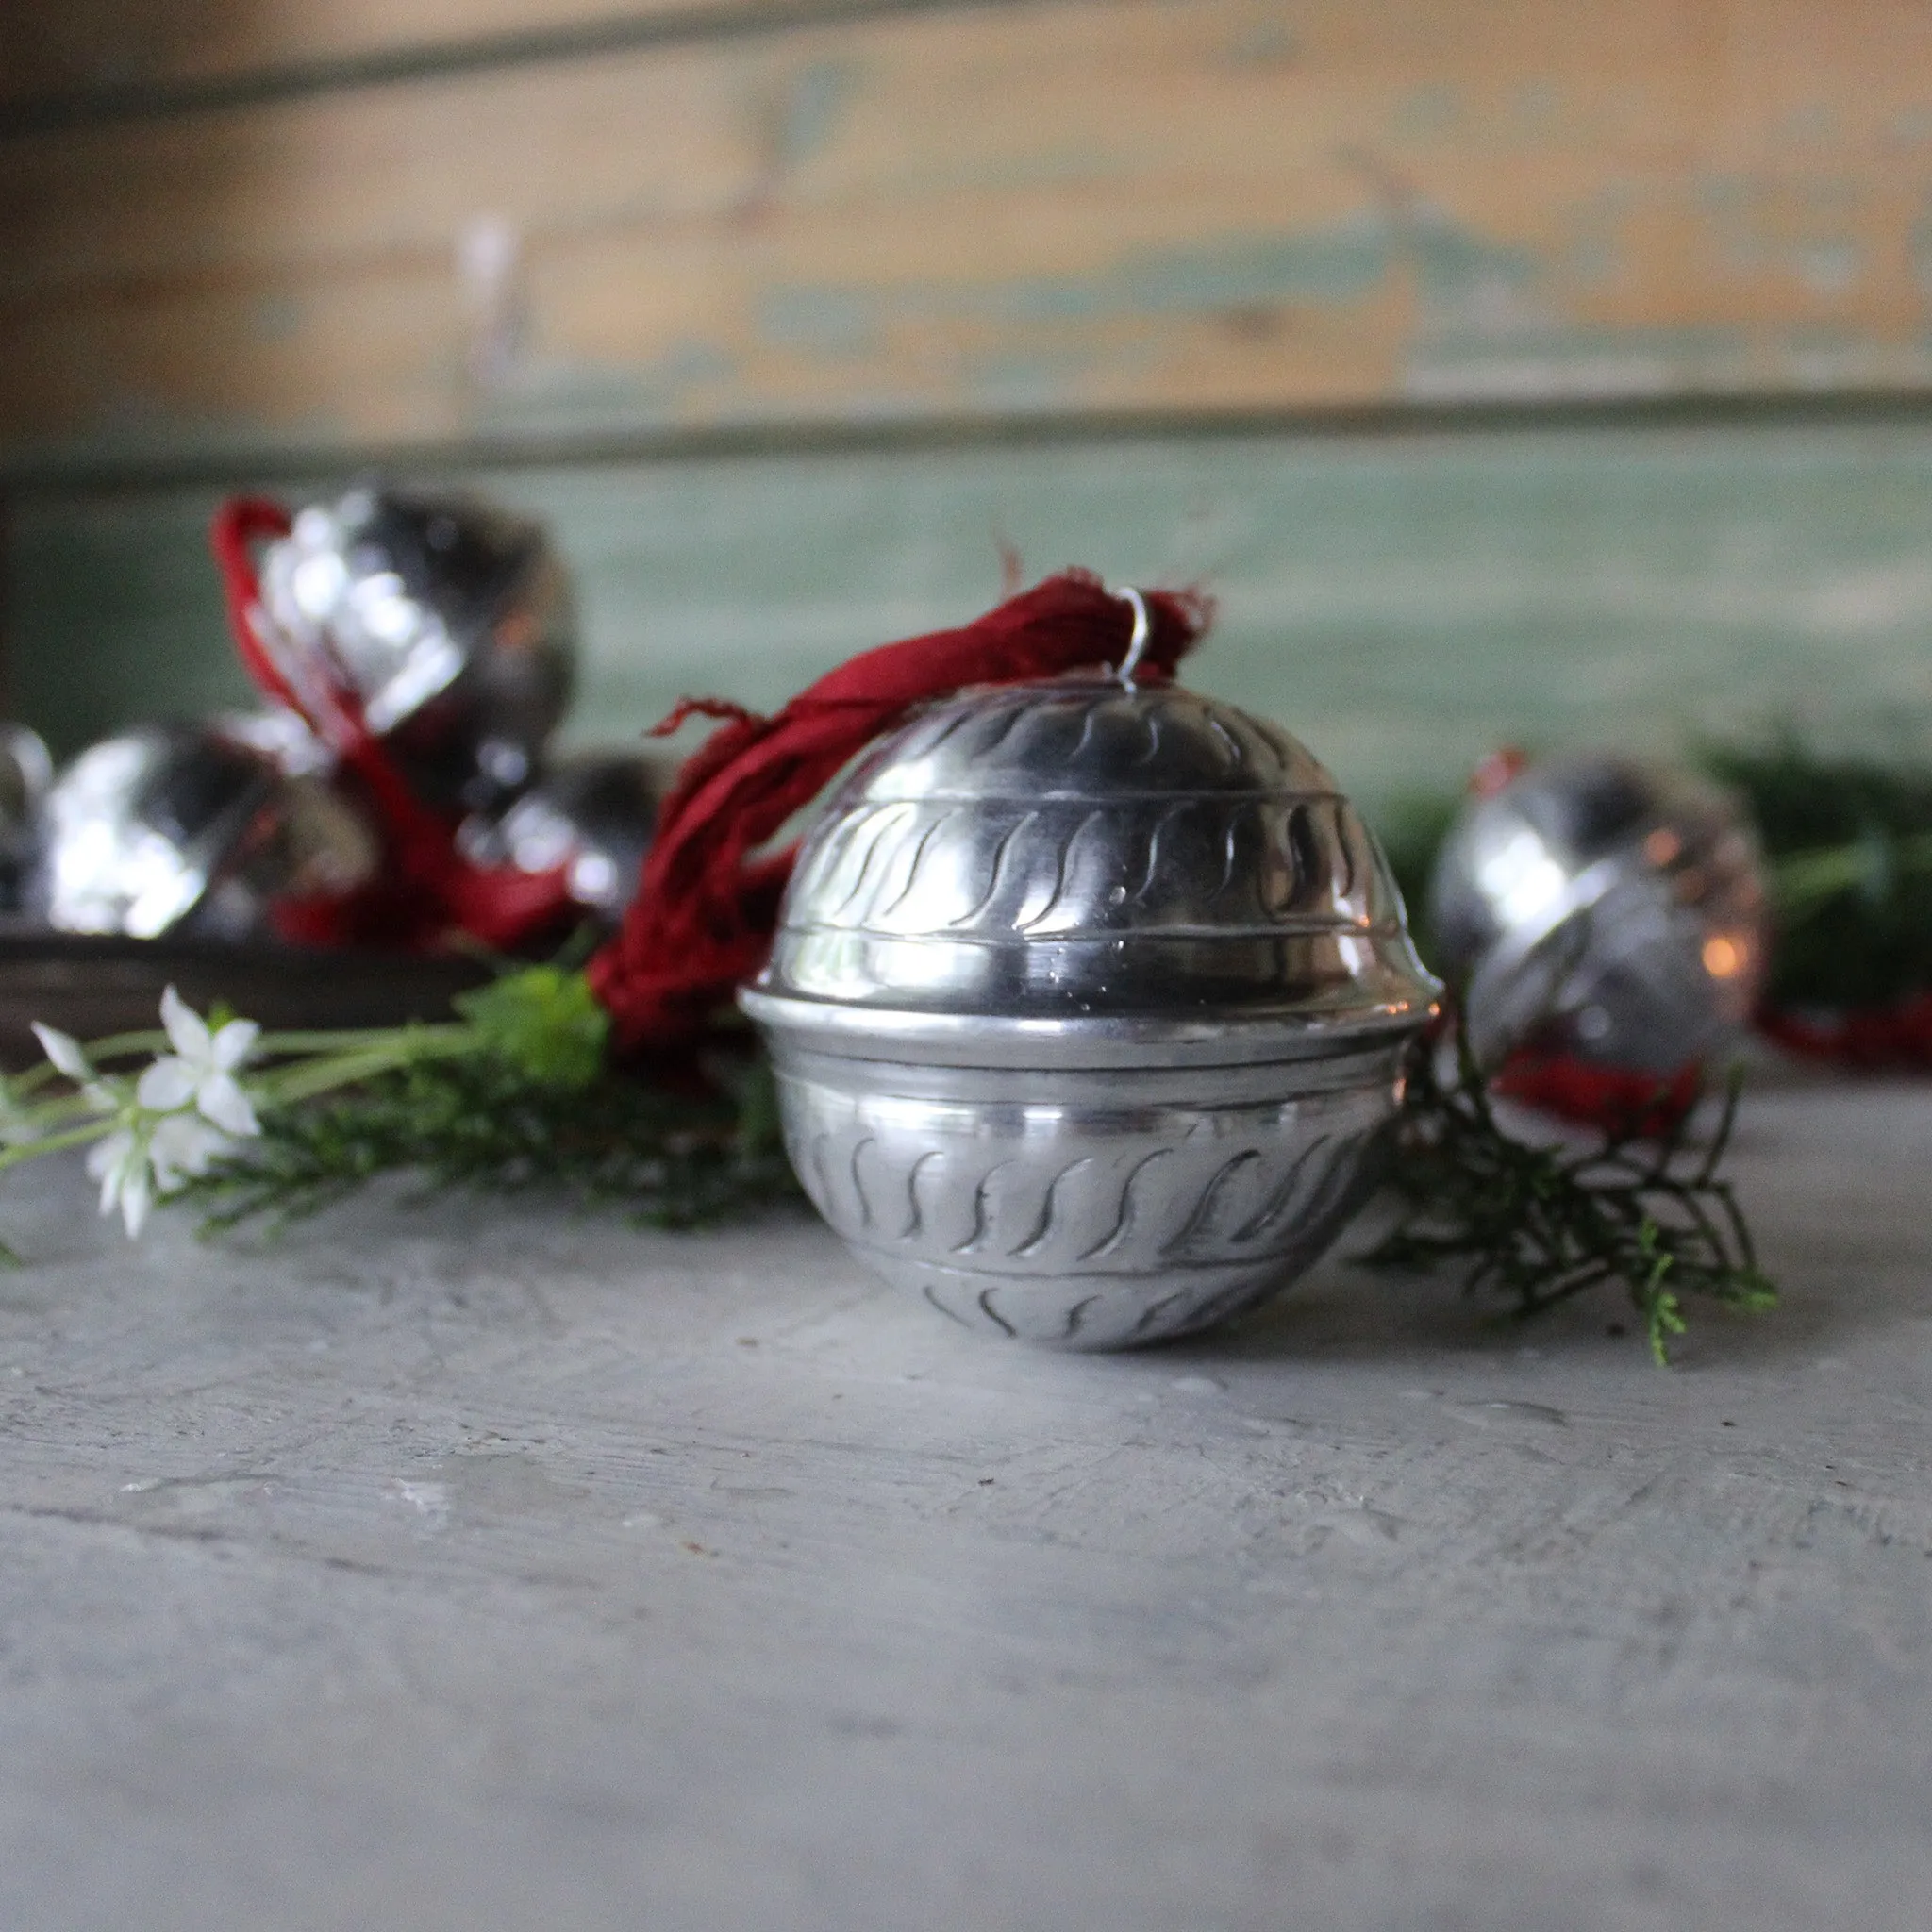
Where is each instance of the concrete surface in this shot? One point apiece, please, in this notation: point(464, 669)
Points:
point(485, 1566)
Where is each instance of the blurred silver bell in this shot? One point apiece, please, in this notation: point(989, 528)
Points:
point(448, 619)
point(26, 771)
point(592, 813)
point(181, 829)
point(1603, 909)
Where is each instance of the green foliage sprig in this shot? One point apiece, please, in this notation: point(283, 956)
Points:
point(670, 1157)
point(1849, 847)
point(517, 1091)
point(1534, 1225)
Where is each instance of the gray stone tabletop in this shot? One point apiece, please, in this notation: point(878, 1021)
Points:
point(487, 1565)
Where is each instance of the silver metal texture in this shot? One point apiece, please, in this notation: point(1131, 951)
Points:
point(1602, 908)
point(450, 620)
point(592, 813)
point(180, 829)
point(25, 773)
point(1089, 1007)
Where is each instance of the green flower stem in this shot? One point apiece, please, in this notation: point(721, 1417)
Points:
point(55, 1143)
point(1803, 881)
point(292, 1045)
point(384, 1054)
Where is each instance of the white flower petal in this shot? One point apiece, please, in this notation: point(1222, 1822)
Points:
point(105, 1157)
point(168, 1084)
point(223, 1100)
point(63, 1050)
point(183, 1146)
point(234, 1044)
point(135, 1196)
point(187, 1029)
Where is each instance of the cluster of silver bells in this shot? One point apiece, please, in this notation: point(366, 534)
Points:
point(449, 624)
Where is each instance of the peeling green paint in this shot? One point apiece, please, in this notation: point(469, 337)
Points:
point(1403, 603)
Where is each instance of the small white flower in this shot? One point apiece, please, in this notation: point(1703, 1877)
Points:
point(183, 1146)
point(146, 1161)
point(70, 1058)
point(201, 1069)
point(119, 1165)
point(65, 1051)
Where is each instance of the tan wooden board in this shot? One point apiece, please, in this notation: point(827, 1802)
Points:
point(68, 47)
point(1225, 204)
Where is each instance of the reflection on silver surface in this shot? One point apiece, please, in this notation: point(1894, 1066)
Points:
point(450, 620)
point(1606, 908)
point(281, 735)
point(1088, 1009)
point(180, 829)
point(592, 813)
point(26, 771)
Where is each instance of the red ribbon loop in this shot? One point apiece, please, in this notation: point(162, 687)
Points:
point(704, 916)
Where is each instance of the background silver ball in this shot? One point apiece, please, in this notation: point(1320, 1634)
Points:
point(25, 773)
point(592, 813)
point(1604, 907)
point(174, 828)
point(1088, 1009)
point(448, 618)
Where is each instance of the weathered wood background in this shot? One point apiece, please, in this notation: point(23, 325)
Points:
point(248, 239)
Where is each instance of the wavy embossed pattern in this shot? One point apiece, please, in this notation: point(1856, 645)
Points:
point(1127, 1225)
point(1080, 739)
point(1066, 870)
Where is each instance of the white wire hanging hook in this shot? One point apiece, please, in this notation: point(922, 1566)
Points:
point(1137, 644)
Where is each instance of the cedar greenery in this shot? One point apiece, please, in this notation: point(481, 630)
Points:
point(673, 1160)
point(1534, 1225)
point(516, 1094)
point(1849, 842)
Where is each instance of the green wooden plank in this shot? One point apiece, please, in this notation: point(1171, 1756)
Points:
point(1401, 602)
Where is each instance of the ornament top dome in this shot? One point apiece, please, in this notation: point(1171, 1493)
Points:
point(1080, 871)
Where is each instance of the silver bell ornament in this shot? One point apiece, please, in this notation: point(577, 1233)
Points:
point(1603, 908)
point(1089, 1007)
point(25, 773)
point(448, 619)
point(592, 814)
point(180, 829)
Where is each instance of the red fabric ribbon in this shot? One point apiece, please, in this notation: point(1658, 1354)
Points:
point(702, 919)
point(1613, 1100)
point(429, 886)
point(1875, 1037)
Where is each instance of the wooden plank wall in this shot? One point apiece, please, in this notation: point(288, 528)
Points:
point(1075, 273)
point(553, 219)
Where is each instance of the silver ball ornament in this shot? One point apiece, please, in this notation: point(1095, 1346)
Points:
point(180, 829)
point(25, 773)
point(592, 814)
point(1088, 1009)
point(449, 620)
point(1606, 908)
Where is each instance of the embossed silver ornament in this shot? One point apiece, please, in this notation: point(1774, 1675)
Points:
point(448, 620)
point(1606, 908)
point(1089, 1007)
point(185, 828)
point(592, 814)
